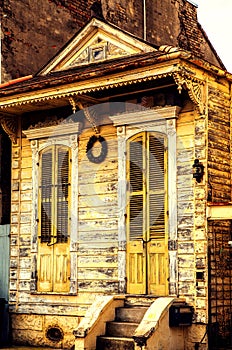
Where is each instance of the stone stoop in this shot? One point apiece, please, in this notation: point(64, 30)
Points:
point(118, 335)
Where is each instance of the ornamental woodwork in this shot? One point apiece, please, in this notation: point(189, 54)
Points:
point(89, 113)
point(194, 86)
point(10, 126)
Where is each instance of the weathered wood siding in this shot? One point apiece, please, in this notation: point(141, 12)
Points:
point(219, 164)
point(192, 236)
point(185, 200)
point(98, 218)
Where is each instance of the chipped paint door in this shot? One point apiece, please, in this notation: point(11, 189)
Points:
point(147, 263)
point(53, 250)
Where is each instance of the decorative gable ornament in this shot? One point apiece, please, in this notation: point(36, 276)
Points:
point(97, 41)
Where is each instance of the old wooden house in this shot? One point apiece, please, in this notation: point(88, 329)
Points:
point(120, 195)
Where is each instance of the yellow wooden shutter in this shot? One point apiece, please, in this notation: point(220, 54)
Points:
point(147, 264)
point(63, 186)
point(157, 253)
point(136, 260)
point(61, 253)
point(45, 249)
point(46, 189)
point(136, 190)
point(156, 187)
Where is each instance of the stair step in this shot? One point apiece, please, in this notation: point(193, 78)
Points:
point(120, 329)
point(139, 300)
point(130, 314)
point(111, 343)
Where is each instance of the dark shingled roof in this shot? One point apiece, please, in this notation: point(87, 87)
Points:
point(81, 73)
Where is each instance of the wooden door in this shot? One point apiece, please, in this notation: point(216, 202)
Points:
point(53, 250)
point(147, 262)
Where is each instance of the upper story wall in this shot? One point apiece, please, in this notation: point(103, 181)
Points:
point(33, 32)
point(219, 141)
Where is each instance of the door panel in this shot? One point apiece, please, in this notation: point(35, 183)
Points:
point(157, 271)
point(45, 268)
point(61, 267)
point(136, 272)
point(147, 262)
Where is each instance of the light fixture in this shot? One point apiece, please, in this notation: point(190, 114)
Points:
point(198, 170)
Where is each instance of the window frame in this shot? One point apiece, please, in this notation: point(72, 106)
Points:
point(40, 139)
point(161, 120)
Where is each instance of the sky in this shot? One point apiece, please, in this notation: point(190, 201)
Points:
point(215, 16)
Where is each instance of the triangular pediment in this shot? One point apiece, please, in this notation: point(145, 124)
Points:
point(97, 41)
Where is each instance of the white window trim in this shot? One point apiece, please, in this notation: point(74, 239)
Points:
point(41, 138)
point(162, 120)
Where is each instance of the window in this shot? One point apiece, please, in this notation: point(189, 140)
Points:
point(54, 229)
point(54, 195)
point(54, 223)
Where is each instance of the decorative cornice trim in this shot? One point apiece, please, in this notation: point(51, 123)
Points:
point(183, 77)
point(145, 116)
point(58, 129)
point(10, 126)
point(100, 87)
point(195, 87)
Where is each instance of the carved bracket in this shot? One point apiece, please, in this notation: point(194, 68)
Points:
point(194, 86)
point(89, 114)
point(10, 126)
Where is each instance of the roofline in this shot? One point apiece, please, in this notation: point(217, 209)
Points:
point(83, 28)
point(46, 83)
point(211, 46)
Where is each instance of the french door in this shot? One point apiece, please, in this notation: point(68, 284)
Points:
point(53, 247)
point(147, 253)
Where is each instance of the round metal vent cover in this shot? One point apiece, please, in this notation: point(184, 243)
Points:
point(54, 333)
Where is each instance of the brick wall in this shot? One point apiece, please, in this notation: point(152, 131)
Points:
point(32, 33)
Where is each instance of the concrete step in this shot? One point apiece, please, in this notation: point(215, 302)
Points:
point(120, 329)
point(113, 343)
point(139, 300)
point(130, 314)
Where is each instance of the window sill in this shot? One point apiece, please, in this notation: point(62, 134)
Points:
point(54, 293)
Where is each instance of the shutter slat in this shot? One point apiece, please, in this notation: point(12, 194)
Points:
point(46, 223)
point(156, 191)
point(147, 186)
point(136, 217)
point(136, 188)
point(62, 194)
point(136, 165)
point(46, 196)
